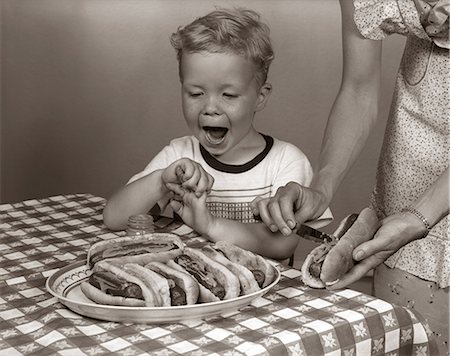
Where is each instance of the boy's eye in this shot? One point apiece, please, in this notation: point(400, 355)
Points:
point(196, 94)
point(229, 95)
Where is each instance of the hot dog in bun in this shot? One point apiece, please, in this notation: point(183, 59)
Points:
point(246, 278)
point(335, 258)
point(215, 281)
point(183, 287)
point(262, 270)
point(141, 250)
point(130, 285)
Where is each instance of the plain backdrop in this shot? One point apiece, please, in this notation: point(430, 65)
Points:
point(90, 90)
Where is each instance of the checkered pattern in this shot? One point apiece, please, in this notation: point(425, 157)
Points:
point(40, 236)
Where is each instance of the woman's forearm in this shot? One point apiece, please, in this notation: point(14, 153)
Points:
point(433, 204)
point(351, 120)
point(355, 109)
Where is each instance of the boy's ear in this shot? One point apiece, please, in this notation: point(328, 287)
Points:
point(263, 96)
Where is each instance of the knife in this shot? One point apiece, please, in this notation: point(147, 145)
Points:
point(311, 234)
point(308, 233)
point(317, 236)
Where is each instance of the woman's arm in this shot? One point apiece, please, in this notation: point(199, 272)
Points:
point(351, 119)
point(355, 109)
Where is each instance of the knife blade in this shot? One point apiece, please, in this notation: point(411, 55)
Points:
point(311, 234)
point(308, 233)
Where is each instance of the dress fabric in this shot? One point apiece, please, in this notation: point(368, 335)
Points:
point(415, 150)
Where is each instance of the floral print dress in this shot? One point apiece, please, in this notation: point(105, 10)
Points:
point(415, 150)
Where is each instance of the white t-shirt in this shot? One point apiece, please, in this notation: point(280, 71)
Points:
point(236, 186)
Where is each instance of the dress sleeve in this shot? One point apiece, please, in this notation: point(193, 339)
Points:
point(377, 19)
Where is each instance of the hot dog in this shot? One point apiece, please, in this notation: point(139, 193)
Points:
point(131, 285)
point(262, 270)
point(246, 278)
point(141, 250)
point(336, 258)
point(184, 289)
point(216, 282)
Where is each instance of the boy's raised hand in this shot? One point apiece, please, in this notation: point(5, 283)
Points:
point(189, 175)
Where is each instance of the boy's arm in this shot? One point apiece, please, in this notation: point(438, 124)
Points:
point(137, 197)
point(255, 237)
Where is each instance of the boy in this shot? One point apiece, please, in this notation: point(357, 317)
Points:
point(224, 58)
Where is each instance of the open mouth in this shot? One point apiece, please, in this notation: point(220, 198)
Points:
point(215, 135)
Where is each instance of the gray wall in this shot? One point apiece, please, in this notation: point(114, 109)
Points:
point(90, 90)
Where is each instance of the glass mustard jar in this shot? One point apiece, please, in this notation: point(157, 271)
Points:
point(139, 225)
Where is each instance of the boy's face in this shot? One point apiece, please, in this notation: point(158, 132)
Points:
point(220, 96)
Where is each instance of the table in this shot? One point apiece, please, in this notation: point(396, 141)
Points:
point(37, 237)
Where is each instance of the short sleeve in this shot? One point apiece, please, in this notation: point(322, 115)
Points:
point(377, 19)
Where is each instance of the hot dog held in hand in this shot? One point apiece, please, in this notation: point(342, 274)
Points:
point(327, 263)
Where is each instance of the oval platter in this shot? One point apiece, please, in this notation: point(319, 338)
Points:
point(64, 284)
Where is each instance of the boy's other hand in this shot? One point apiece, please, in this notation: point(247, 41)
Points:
point(191, 209)
point(188, 174)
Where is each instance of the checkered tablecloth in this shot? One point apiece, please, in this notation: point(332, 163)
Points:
point(37, 237)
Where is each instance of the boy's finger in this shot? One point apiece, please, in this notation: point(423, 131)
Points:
point(202, 185)
point(176, 189)
point(192, 182)
point(177, 207)
point(210, 182)
point(179, 172)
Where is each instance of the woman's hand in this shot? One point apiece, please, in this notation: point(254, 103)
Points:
point(189, 174)
point(291, 205)
point(395, 231)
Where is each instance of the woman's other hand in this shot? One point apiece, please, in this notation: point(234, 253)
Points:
point(395, 231)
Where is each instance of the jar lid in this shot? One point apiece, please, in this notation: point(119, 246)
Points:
point(140, 221)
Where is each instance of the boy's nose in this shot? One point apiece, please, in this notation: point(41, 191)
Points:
point(211, 106)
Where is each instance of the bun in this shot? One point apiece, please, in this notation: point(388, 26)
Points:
point(262, 270)
point(352, 231)
point(246, 278)
point(216, 282)
point(156, 284)
point(141, 250)
point(188, 285)
point(129, 286)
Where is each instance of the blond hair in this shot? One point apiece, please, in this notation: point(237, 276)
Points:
point(237, 31)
